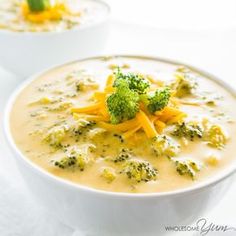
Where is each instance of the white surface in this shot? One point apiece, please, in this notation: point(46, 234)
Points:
point(214, 51)
point(180, 14)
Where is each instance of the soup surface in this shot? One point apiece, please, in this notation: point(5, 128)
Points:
point(14, 16)
point(126, 124)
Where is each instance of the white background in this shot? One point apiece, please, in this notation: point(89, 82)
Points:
point(198, 32)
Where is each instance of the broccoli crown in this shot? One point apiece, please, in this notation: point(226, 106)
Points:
point(132, 89)
point(75, 159)
point(158, 100)
point(188, 130)
point(140, 171)
point(215, 136)
point(165, 146)
point(184, 84)
point(187, 167)
point(135, 82)
point(123, 104)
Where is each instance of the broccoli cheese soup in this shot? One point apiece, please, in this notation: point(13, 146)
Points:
point(45, 15)
point(126, 124)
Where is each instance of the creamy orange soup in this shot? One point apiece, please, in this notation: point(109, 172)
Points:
point(126, 124)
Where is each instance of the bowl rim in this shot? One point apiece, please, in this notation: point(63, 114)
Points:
point(228, 171)
point(103, 19)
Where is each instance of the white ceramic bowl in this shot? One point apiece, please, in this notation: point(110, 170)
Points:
point(101, 213)
point(25, 53)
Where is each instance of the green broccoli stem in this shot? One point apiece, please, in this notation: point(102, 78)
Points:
point(38, 5)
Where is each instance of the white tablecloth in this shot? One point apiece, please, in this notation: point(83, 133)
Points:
point(214, 51)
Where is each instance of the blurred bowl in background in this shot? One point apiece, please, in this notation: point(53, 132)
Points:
point(24, 53)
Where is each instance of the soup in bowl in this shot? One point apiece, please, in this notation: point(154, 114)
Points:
point(36, 34)
point(124, 144)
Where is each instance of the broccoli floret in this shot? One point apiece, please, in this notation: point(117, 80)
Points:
point(123, 104)
point(135, 82)
point(215, 136)
point(124, 155)
point(158, 100)
point(186, 167)
point(108, 174)
point(55, 136)
point(190, 130)
point(140, 171)
point(184, 84)
point(75, 159)
point(164, 146)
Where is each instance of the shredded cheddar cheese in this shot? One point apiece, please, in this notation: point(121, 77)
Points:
point(146, 124)
point(124, 126)
point(53, 13)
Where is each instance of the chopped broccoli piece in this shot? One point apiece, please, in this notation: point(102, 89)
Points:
point(56, 135)
point(66, 162)
point(190, 130)
point(108, 174)
point(75, 159)
point(184, 84)
point(82, 161)
point(211, 102)
point(140, 171)
point(86, 149)
point(123, 104)
point(186, 167)
point(85, 84)
point(81, 125)
point(124, 155)
point(62, 106)
point(135, 82)
point(215, 136)
point(38, 5)
point(158, 100)
point(164, 145)
point(119, 137)
point(96, 132)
